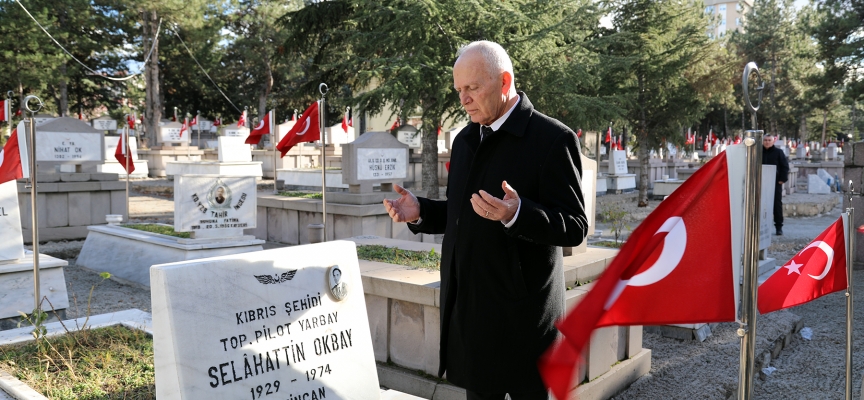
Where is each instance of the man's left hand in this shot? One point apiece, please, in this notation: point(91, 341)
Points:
point(493, 208)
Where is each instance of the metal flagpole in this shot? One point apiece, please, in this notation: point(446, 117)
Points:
point(274, 140)
point(34, 211)
point(299, 145)
point(322, 124)
point(750, 258)
point(850, 260)
point(125, 144)
point(9, 111)
point(198, 128)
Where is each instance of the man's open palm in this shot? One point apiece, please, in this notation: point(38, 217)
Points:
point(405, 208)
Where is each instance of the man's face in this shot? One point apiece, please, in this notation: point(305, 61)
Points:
point(767, 141)
point(482, 96)
point(337, 275)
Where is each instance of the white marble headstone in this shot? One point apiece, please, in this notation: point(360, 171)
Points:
point(104, 124)
point(263, 325)
point(409, 137)
point(373, 164)
point(234, 131)
point(11, 240)
point(618, 163)
point(213, 206)
point(111, 147)
point(234, 149)
point(68, 147)
point(170, 133)
point(825, 176)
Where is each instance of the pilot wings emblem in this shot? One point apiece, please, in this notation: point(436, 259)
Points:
point(276, 278)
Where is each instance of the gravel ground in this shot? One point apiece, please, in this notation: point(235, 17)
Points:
point(806, 369)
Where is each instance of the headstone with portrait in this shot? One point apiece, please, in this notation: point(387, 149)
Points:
point(213, 206)
point(275, 324)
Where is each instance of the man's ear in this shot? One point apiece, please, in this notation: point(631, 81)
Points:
point(506, 82)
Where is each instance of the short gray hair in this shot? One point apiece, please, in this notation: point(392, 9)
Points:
point(495, 56)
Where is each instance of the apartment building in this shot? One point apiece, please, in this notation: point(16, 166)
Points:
point(730, 15)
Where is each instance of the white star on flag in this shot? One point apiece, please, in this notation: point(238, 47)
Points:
point(793, 267)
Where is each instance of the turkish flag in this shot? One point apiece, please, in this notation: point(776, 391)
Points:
point(705, 146)
point(817, 270)
point(130, 121)
point(619, 143)
point(14, 158)
point(396, 124)
point(608, 136)
point(194, 121)
point(579, 133)
point(242, 121)
point(262, 129)
point(304, 130)
point(123, 153)
point(217, 122)
point(184, 127)
point(662, 274)
point(345, 122)
point(4, 110)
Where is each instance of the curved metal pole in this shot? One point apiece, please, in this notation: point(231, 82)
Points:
point(34, 211)
point(751, 68)
point(322, 117)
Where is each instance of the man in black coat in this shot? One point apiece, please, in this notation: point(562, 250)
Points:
point(502, 280)
point(774, 156)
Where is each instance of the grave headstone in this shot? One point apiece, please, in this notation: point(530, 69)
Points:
point(204, 125)
point(831, 151)
point(212, 144)
point(618, 163)
point(375, 157)
point(287, 323)
point(212, 206)
point(442, 146)
point(800, 152)
point(409, 135)
point(104, 124)
point(825, 176)
point(111, 143)
point(234, 131)
point(11, 239)
point(68, 141)
point(170, 133)
point(815, 185)
point(40, 119)
point(234, 149)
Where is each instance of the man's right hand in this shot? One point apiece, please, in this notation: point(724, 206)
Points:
point(405, 208)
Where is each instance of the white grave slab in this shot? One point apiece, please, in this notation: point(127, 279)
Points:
point(263, 322)
point(618, 163)
point(111, 147)
point(234, 131)
point(831, 151)
point(214, 206)
point(40, 119)
point(68, 140)
point(825, 176)
point(11, 240)
point(170, 133)
point(104, 124)
point(234, 149)
point(409, 137)
point(815, 185)
point(204, 125)
point(374, 164)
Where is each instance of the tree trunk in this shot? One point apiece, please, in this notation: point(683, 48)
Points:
point(64, 92)
point(430, 154)
point(824, 123)
point(642, 137)
point(802, 130)
point(152, 101)
point(773, 113)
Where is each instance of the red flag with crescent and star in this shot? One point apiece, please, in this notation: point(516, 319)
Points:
point(14, 158)
point(817, 270)
point(259, 131)
point(123, 154)
point(662, 274)
point(304, 130)
point(184, 127)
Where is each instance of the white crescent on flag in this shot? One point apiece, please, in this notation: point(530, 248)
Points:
point(828, 252)
point(674, 245)
point(260, 125)
point(305, 128)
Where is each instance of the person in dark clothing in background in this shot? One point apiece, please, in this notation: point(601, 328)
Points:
point(774, 156)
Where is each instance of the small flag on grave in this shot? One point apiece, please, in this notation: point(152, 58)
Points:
point(123, 154)
point(305, 130)
point(217, 122)
point(184, 127)
point(345, 121)
point(4, 110)
point(817, 270)
point(242, 121)
point(14, 158)
point(262, 129)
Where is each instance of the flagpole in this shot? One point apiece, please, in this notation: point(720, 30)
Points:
point(126, 157)
point(299, 145)
point(850, 260)
point(322, 124)
point(274, 139)
point(34, 211)
point(750, 258)
point(8, 111)
point(198, 127)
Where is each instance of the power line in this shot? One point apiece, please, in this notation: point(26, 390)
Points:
point(202, 69)
point(92, 72)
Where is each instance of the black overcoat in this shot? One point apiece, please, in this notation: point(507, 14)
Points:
point(502, 289)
